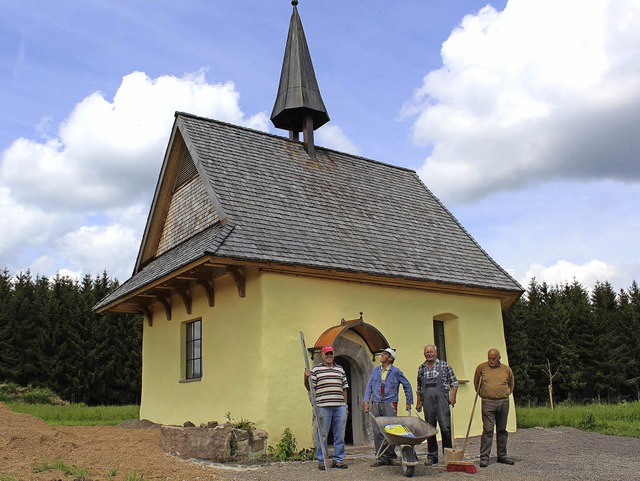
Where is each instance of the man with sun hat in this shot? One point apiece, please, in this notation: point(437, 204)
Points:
point(381, 399)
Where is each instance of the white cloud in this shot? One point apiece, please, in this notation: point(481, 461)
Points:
point(106, 152)
point(77, 202)
point(564, 272)
point(542, 90)
point(92, 249)
point(333, 137)
point(76, 275)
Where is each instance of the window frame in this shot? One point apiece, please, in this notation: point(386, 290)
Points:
point(192, 350)
point(439, 338)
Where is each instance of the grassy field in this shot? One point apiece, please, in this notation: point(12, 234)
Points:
point(77, 414)
point(615, 419)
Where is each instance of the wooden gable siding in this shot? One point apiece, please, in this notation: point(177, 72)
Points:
point(190, 212)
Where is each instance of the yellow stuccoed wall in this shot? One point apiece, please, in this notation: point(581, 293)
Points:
point(252, 358)
point(232, 379)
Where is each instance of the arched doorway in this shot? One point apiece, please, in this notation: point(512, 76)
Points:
point(346, 365)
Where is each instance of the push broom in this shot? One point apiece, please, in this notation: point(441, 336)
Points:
point(456, 462)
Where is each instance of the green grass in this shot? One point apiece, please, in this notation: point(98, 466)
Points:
point(78, 414)
point(60, 465)
point(12, 392)
point(615, 419)
point(132, 475)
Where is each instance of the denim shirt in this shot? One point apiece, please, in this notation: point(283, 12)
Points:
point(391, 386)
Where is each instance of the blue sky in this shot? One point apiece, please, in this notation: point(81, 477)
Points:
point(522, 117)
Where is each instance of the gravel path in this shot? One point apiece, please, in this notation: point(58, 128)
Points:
point(557, 454)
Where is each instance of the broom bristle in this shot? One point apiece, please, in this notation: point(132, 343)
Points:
point(464, 468)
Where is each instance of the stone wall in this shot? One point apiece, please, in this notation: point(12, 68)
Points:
point(219, 443)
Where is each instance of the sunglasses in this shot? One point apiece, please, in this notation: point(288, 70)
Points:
point(330, 353)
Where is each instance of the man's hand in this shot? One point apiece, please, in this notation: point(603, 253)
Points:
point(452, 399)
point(409, 407)
point(419, 405)
point(366, 407)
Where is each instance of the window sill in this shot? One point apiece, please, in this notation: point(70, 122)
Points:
point(182, 381)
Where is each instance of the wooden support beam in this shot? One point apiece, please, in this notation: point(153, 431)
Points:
point(238, 277)
point(166, 302)
point(148, 315)
point(309, 143)
point(185, 295)
point(208, 289)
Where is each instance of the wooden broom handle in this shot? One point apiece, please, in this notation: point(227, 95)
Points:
point(473, 409)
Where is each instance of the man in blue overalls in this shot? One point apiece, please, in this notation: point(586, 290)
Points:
point(381, 398)
point(437, 388)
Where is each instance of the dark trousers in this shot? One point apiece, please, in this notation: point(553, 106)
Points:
point(494, 414)
point(436, 409)
point(383, 409)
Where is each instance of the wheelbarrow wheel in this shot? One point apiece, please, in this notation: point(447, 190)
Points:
point(408, 470)
point(408, 456)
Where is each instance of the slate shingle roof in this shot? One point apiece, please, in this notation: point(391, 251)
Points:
point(340, 211)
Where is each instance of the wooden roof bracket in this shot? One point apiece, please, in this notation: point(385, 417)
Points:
point(166, 303)
point(185, 295)
point(238, 277)
point(208, 289)
point(148, 315)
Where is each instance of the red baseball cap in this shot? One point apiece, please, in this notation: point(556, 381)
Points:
point(327, 349)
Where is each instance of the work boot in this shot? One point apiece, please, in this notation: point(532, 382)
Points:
point(508, 461)
point(431, 461)
point(379, 462)
point(339, 465)
point(484, 463)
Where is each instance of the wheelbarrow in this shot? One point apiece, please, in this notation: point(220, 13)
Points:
point(406, 432)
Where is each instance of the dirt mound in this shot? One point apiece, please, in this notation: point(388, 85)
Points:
point(26, 441)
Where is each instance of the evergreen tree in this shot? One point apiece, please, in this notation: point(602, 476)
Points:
point(518, 349)
point(609, 373)
point(8, 355)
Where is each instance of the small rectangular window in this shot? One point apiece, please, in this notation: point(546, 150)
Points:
point(438, 339)
point(193, 358)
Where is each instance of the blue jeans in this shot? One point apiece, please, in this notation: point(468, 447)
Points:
point(334, 417)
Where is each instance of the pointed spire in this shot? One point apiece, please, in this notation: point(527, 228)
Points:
point(299, 106)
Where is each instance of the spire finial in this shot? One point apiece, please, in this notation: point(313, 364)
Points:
point(298, 106)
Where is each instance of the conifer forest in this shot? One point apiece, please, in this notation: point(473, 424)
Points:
point(50, 337)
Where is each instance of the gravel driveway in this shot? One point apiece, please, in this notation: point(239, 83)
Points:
point(556, 454)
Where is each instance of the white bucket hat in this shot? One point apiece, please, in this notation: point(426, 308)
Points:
point(391, 352)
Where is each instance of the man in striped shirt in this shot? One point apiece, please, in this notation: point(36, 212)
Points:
point(329, 382)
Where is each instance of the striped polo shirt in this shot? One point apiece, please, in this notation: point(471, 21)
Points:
point(329, 383)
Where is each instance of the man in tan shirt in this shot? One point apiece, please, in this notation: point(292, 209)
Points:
point(494, 382)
